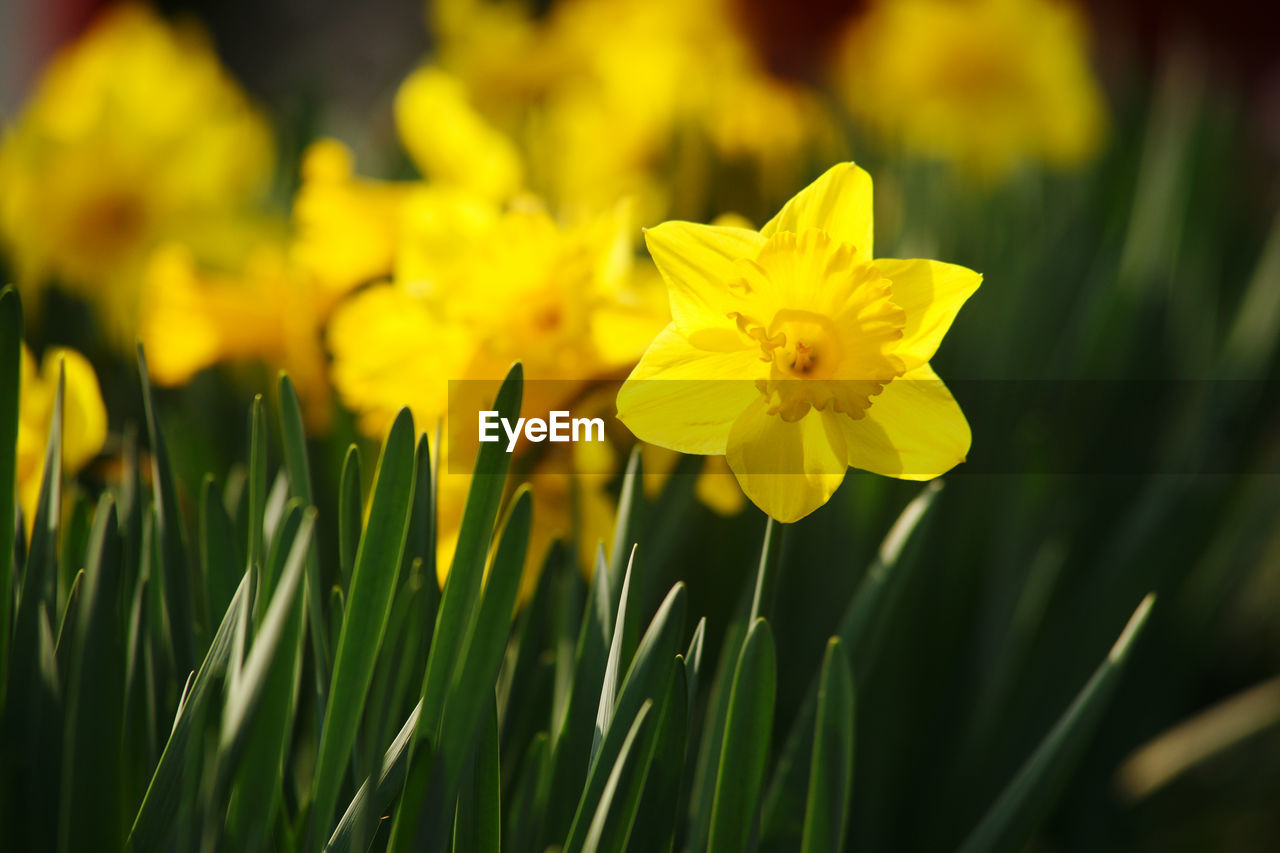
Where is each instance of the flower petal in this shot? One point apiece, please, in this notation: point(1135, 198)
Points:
point(697, 262)
point(788, 469)
point(914, 429)
point(684, 398)
point(931, 293)
point(839, 203)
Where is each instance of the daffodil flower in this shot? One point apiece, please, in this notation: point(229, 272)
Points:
point(796, 353)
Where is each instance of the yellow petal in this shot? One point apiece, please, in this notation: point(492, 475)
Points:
point(787, 468)
point(84, 417)
point(697, 262)
point(931, 293)
point(839, 203)
point(914, 429)
point(685, 399)
point(450, 141)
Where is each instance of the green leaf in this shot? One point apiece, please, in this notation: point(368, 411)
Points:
point(615, 813)
point(31, 726)
point(221, 563)
point(1024, 803)
point(655, 825)
point(472, 688)
point(747, 732)
point(374, 795)
point(707, 765)
point(477, 824)
point(648, 678)
point(462, 586)
point(573, 730)
point(256, 550)
point(365, 619)
point(295, 461)
point(91, 804)
point(172, 549)
point(350, 515)
point(10, 393)
point(826, 813)
point(609, 688)
point(67, 624)
point(245, 692)
point(871, 608)
point(165, 791)
point(525, 812)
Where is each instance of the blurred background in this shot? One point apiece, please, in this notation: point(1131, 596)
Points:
point(1111, 169)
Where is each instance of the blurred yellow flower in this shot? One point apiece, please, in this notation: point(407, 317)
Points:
point(345, 227)
point(613, 98)
point(266, 310)
point(796, 353)
point(84, 419)
point(449, 141)
point(134, 136)
point(348, 228)
point(480, 285)
point(988, 84)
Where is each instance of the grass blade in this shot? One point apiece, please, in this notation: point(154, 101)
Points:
point(477, 825)
point(826, 813)
point(172, 548)
point(91, 803)
point(350, 515)
point(10, 392)
point(747, 733)
point(781, 827)
point(368, 605)
point(164, 792)
point(462, 586)
point(299, 471)
point(620, 799)
point(472, 688)
point(1013, 818)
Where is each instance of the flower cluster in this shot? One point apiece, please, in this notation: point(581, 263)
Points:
point(136, 179)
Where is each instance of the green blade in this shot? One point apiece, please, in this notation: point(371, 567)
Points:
point(155, 816)
point(10, 392)
point(368, 605)
point(747, 732)
point(872, 606)
point(374, 795)
point(462, 586)
point(92, 815)
point(295, 461)
point(826, 813)
point(1024, 803)
point(615, 814)
point(648, 679)
point(172, 548)
point(350, 515)
point(427, 815)
point(477, 824)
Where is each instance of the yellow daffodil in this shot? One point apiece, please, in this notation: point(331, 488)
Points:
point(84, 419)
point(134, 136)
point(266, 310)
point(666, 82)
point(479, 285)
point(449, 141)
point(345, 227)
point(796, 353)
point(984, 83)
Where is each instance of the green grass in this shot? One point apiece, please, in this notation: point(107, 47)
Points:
point(445, 719)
